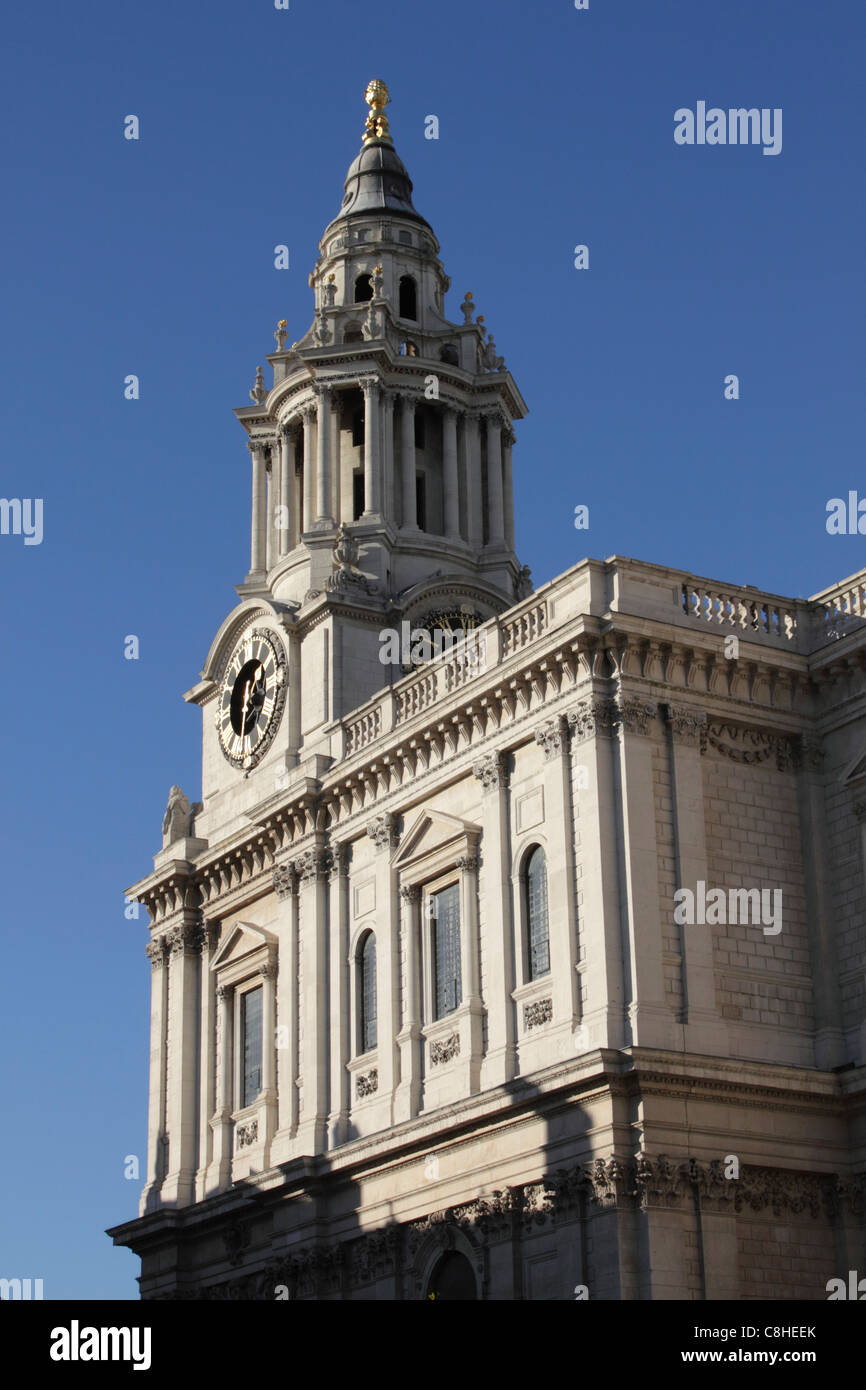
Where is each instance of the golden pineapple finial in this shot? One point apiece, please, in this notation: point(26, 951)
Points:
point(377, 98)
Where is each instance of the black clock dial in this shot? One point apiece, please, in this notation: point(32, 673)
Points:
point(251, 698)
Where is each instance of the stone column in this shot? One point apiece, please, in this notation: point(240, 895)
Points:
point(470, 963)
point(338, 1119)
point(494, 481)
point(324, 514)
point(705, 1029)
point(408, 1095)
point(508, 487)
point(562, 917)
point(830, 1049)
point(474, 526)
point(287, 471)
point(219, 1172)
point(407, 463)
point(156, 1087)
point(285, 885)
point(500, 1064)
point(312, 868)
point(184, 942)
point(269, 1040)
point(308, 415)
point(593, 721)
point(208, 1061)
point(382, 831)
point(258, 556)
point(372, 448)
point(450, 482)
point(273, 486)
point(387, 501)
point(653, 1023)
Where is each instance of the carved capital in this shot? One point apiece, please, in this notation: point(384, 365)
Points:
point(383, 832)
point(593, 717)
point(467, 863)
point(810, 752)
point(688, 726)
point(491, 772)
point(284, 880)
point(551, 737)
point(156, 952)
point(411, 894)
point(184, 940)
point(636, 716)
point(313, 864)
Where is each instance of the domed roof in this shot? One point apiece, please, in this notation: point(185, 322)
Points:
point(378, 179)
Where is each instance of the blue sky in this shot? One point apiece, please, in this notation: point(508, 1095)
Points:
point(156, 258)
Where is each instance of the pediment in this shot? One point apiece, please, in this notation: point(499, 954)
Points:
point(431, 832)
point(242, 940)
point(855, 771)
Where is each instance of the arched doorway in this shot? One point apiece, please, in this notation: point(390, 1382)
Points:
point(453, 1279)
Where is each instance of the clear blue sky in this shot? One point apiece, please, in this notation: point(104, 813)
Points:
point(156, 258)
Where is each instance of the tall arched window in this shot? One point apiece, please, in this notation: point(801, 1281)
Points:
point(363, 289)
point(408, 298)
point(367, 992)
point(537, 924)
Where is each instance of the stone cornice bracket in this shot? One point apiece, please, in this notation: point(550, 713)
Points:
point(636, 716)
point(285, 881)
point(552, 737)
point(688, 726)
point(595, 716)
point(491, 771)
point(383, 832)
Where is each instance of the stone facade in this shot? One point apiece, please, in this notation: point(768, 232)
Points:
point(667, 1100)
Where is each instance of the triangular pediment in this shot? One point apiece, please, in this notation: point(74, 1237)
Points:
point(242, 940)
point(856, 770)
point(431, 831)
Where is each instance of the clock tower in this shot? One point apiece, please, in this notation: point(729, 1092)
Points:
point(382, 492)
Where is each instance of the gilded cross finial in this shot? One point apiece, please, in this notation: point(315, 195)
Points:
point(377, 98)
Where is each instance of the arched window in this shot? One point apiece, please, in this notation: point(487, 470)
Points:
point(449, 354)
point(363, 289)
point(537, 923)
point(453, 1279)
point(353, 333)
point(408, 298)
point(367, 992)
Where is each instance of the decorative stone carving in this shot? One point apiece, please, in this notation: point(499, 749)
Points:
point(346, 555)
point(284, 880)
point(534, 1015)
point(259, 390)
point(280, 335)
point(368, 1083)
point(491, 772)
point(444, 1050)
point(383, 832)
point(593, 717)
point(744, 745)
point(549, 737)
point(469, 862)
point(411, 894)
point(635, 716)
point(810, 752)
point(177, 823)
point(523, 585)
point(688, 726)
point(236, 1239)
point(467, 307)
point(313, 864)
point(247, 1134)
point(156, 952)
point(186, 939)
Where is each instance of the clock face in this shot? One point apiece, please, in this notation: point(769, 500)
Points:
point(251, 698)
